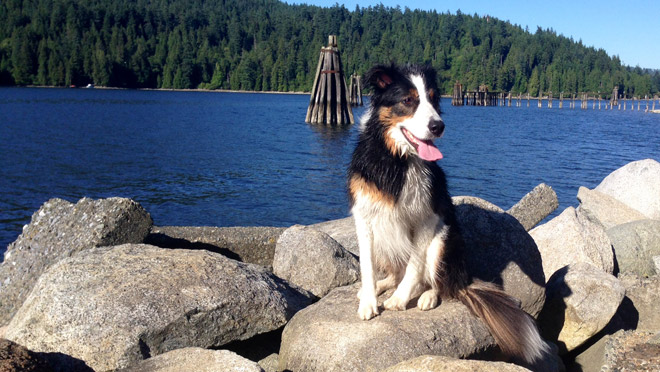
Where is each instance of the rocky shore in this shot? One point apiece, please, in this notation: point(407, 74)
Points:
point(94, 286)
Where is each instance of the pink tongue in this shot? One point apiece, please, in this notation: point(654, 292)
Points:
point(428, 151)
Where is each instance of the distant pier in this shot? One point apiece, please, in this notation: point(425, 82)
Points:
point(484, 97)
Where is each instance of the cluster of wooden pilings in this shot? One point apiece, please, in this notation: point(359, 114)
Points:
point(329, 100)
point(355, 89)
point(483, 97)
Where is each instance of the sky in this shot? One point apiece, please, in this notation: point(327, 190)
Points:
point(629, 29)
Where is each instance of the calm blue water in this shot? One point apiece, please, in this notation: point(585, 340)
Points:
point(231, 159)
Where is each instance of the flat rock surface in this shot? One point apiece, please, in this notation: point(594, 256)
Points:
point(329, 336)
point(246, 244)
point(604, 210)
point(434, 363)
point(635, 245)
point(196, 359)
point(60, 229)
point(114, 306)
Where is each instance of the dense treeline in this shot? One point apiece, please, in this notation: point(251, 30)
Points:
point(270, 45)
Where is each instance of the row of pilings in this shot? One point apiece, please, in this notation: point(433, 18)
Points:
point(483, 97)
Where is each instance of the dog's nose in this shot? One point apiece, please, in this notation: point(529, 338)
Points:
point(437, 127)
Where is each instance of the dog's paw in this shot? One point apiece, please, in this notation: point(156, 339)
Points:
point(428, 300)
point(368, 309)
point(395, 303)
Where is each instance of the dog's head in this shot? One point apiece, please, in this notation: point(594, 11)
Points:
point(406, 102)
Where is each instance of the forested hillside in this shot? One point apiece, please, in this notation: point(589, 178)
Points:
point(267, 45)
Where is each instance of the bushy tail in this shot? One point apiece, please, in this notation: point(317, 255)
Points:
point(513, 329)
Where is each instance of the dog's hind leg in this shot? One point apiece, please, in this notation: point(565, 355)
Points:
point(390, 281)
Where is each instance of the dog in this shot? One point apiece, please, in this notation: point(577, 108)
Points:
point(404, 216)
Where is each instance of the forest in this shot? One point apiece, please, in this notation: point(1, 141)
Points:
point(269, 45)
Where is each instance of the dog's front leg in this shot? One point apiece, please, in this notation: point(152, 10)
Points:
point(368, 301)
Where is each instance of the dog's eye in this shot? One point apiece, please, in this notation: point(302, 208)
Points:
point(408, 101)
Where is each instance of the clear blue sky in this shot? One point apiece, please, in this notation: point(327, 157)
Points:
point(629, 29)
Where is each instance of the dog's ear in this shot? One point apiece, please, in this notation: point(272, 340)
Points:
point(380, 77)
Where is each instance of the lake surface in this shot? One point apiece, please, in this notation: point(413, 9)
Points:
point(238, 159)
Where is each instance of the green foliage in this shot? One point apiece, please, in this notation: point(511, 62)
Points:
point(272, 46)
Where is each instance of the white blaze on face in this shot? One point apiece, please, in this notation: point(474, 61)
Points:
point(418, 125)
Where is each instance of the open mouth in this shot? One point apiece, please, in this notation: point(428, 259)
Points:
point(425, 148)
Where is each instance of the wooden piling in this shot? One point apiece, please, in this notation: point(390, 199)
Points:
point(561, 100)
point(329, 100)
point(549, 99)
point(355, 89)
point(457, 95)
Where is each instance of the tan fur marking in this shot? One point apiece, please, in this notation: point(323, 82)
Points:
point(360, 186)
point(390, 120)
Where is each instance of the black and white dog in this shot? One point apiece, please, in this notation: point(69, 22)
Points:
point(405, 218)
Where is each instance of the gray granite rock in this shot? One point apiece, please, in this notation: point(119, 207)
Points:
point(329, 336)
point(644, 294)
point(535, 206)
point(114, 306)
point(60, 229)
point(604, 210)
point(343, 231)
point(637, 185)
point(196, 359)
point(580, 301)
point(570, 238)
point(246, 244)
point(435, 363)
point(498, 249)
point(14, 357)
point(635, 244)
point(312, 260)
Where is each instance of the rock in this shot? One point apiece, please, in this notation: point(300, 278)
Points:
point(197, 359)
point(114, 306)
point(343, 231)
point(632, 351)
point(635, 244)
point(499, 250)
point(535, 206)
point(312, 260)
point(656, 263)
point(580, 301)
point(14, 357)
point(604, 210)
point(246, 244)
point(59, 229)
point(645, 296)
point(637, 185)
point(328, 336)
point(435, 363)
point(570, 238)
point(269, 363)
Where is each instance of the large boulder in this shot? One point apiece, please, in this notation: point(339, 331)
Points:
point(114, 306)
point(246, 244)
point(635, 246)
point(197, 359)
point(312, 260)
point(343, 231)
point(623, 350)
point(535, 206)
point(329, 336)
point(637, 185)
point(580, 301)
point(435, 363)
point(499, 250)
point(644, 294)
point(59, 229)
point(570, 238)
point(14, 357)
point(604, 210)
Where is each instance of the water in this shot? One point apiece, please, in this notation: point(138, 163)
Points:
point(235, 159)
